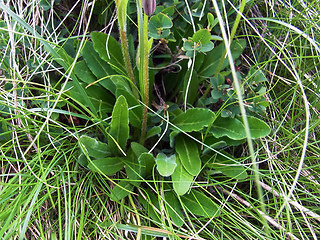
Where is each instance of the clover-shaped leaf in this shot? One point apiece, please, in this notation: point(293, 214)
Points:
point(200, 41)
point(166, 165)
point(159, 26)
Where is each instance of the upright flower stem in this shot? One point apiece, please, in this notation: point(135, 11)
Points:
point(122, 20)
point(126, 57)
point(145, 78)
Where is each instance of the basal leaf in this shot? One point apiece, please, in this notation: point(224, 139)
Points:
point(188, 154)
point(258, 128)
point(98, 66)
point(119, 127)
point(166, 165)
point(82, 160)
point(121, 190)
point(135, 114)
point(98, 97)
point(230, 127)
point(138, 149)
point(226, 166)
point(132, 168)
point(146, 162)
point(139, 163)
point(110, 53)
point(174, 208)
point(93, 147)
point(107, 166)
point(198, 203)
point(193, 119)
point(181, 179)
point(83, 72)
point(151, 204)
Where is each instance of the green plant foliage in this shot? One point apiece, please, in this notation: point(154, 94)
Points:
point(98, 66)
point(199, 42)
point(93, 147)
point(165, 164)
point(181, 179)
point(159, 26)
point(107, 166)
point(188, 154)
point(230, 127)
point(98, 97)
point(212, 58)
point(194, 119)
point(198, 203)
point(230, 168)
point(258, 128)
point(121, 190)
point(174, 208)
point(136, 112)
point(109, 50)
point(119, 127)
point(151, 204)
point(139, 163)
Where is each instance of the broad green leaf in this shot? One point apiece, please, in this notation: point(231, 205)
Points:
point(202, 36)
point(153, 132)
point(132, 168)
point(256, 76)
point(206, 47)
point(188, 154)
point(110, 53)
point(174, 208)
point(166, 165)
point(139, 163)
point(230, 127)
point(107, 166)
point(93, 147)
point(198, 203)
point(210, 18)
point(96, 95)
point(212, 58)
point(98, 67)
point(121, 190)
point(82, 160)
point(151, 205)
point(193, 119)
point(213, 143)
point(146, 162)
point(258, 128)
point(138, 149)
point(135, 114)
point(83, 72)
point(119, 127)
point(173, 134)
point(226, 166)
point(181, 179)
point(159, 26)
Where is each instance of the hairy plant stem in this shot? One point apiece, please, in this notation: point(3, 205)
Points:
point(126, 57)
point(144, 69)
point(122, 21)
